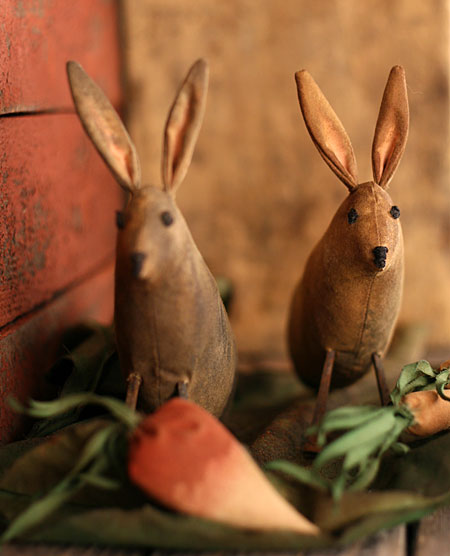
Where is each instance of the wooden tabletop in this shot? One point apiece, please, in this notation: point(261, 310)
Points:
point(430, 537)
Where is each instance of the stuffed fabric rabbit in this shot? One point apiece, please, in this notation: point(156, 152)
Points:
point(345, 307)
point(172, 330)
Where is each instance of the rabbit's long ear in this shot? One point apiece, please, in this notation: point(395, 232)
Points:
point(183, 125)
point(326, 130)
point(392, 128)
point(104, 127)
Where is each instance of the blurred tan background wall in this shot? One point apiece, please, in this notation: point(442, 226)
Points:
point(258, 196)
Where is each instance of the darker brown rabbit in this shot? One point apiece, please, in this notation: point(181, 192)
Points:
point(172, 330)
point(345, 307)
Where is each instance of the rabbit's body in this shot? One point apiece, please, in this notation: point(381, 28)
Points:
point(172, 330)
point(171, 325)
point(344, 302)
point(348, 299)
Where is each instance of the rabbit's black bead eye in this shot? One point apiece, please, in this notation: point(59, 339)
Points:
point(395, 212)
point(120, 219)
point(166, 218)
point(352, 216)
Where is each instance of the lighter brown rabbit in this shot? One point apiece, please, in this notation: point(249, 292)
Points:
point(345, 307)
point(171, 327)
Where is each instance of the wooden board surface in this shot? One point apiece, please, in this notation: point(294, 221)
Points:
point(29, 346)
point(37, 37)
point(385, 543)
point(433, 534)
point(21, 550)
point(57, 206)
point(57, 199)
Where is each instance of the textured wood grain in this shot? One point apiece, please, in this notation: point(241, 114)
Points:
point(37, 37)
point(31, 345)
point(38, 550)
point(384, 543)
point(433, 534)
point(57, 205)
point(57, 199)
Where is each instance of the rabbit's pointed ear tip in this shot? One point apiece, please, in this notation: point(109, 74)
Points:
point(201, 64)
point(199, 69)
point(72, 66)
point(399, 70)
point(302, 75)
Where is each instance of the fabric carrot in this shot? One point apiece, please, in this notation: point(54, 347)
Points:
point(431, 413)
point(181, 456)
point(185, 458)
point(430, 408)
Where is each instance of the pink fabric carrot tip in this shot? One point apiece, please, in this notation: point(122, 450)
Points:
point(183, 457)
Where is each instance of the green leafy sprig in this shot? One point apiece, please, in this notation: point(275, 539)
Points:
point(369, 432)
point(92, 465)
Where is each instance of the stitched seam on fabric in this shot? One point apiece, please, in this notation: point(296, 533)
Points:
point(156, 353)
point(366, 313)
point(377, 229)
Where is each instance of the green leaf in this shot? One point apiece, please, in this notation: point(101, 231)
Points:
point(148, 527)
point(365, 478)
point(346, 417)
point(41, 467)
point(413, 377)
point(442, 380)
point(38, 511)
point(99, 481)
point(94, 448)
point(90, 469)
point(301, 474)
point(420, 376)
point(373, 429)
point(50, 409)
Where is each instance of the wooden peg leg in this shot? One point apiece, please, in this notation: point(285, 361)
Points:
point(383, 389)
point(322, 398)
point(182, 390)
point(324, 388)
point(134, 382)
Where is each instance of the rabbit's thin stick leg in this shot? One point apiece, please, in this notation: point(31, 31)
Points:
point(322, 398)
point(134, 381)
point(383, 389)
point(182, 390)
point(324, 388)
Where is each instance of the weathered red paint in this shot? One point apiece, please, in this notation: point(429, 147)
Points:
point(37, 37)
point(57, 199)
point(28, 347)
point(57, 206)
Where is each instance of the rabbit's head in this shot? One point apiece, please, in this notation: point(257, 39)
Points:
point(152, 233)
point(365, 230)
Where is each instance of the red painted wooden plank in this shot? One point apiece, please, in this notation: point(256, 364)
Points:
point(29, 347)
point(57, 205)
point(37, 37)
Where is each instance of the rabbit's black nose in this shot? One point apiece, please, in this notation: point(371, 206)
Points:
point(137, 260)
point(379, 254)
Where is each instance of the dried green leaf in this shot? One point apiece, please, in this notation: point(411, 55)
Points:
point(442, 380)
point(56, 407)
point(39, 510)
point(77, 476)
point(301, 474)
